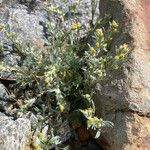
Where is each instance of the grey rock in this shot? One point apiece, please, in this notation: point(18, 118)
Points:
point(3, 93)
point(3, 97)
point(33, 119)
point(14, 134)
point(27, 25)
point(15, 16)
point(6, 101)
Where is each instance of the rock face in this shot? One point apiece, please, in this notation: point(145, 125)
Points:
point(126, 99)
point(16, 17)
point(14, 134)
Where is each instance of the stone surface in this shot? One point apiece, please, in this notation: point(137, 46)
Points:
point(26, 26)
point(14, 135)
point(3, 92)
point(3, 97)
point(125, 100)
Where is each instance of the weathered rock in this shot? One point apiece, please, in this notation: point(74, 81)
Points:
point(82, 12)
point(3, 97)
point(3, 92)
point(26, 25)
point(14, 134)
point(126, 99)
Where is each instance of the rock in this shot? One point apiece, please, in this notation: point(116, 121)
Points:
point(14, 134)
point(83, 10)
point(3, 97)
point(6, 101)
point(3, 92)
point(92, 146)
point(83, 133)
point(125, 100)
point(26, 26)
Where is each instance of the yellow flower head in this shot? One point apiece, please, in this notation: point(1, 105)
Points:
point(116, 57)
point(99, 32)
point(88, 111)
point(96, 119)
point(46, 80)
point(79, 25)
point(114, 24)
point(87, 96)
point(10, 35)
point(125, 47)
point(100, 73)
point(75, 26)
point(97, 44)
point(122, 55)
point(105, 47)
point(61, 107)
point(92, 50)
point(101, 66)
point(92, 120)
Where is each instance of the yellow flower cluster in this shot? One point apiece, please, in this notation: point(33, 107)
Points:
point(99, 73)
point(88, 111)
point(49, 74)
point(61, 107)
point(116, 57)
point(114, 26)
point(125, 47)
point(75, 26)
point(87, 96)
point(102, 59)
point(122, 51)
point(10, 35)
point(92, 120)
point(105, 47)
point(97, 44)
point(99, 32)
point(92, 50)
point(47, 78)
point(122, 55)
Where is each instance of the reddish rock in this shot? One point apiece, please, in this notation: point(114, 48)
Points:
point(83, 133)
point(129, 106)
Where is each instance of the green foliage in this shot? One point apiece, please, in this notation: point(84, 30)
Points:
point(58, 80)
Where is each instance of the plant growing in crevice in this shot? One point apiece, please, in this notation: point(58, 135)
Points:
point(57, 81)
